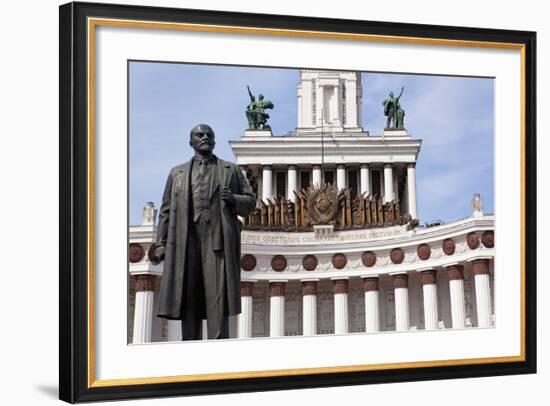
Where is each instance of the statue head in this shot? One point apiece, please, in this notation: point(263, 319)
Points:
point(261, 96)
point(202, 139)
point(391, 94)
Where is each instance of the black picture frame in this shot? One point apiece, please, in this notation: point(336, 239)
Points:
point(74, 380)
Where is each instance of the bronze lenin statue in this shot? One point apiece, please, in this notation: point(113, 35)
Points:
point(199, 239)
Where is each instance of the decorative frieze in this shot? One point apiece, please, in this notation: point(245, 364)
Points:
point(448, 246)
point(368, 258)
point(278, 263)
point(310, 262)
point(397, 255)
point(488, 239)
point(472, 239)
point(136, 252)
point(324, 204)
point(339, 261)
point(424, 251)
point(248, 262)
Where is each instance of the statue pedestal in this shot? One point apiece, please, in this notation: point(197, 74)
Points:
point(395, 132)
point(258, 133)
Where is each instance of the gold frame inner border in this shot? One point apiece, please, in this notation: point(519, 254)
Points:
point(94, 22)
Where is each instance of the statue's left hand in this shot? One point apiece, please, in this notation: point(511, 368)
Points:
point(228, 196)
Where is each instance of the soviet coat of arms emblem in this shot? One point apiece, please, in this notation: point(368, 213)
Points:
point(322, 204)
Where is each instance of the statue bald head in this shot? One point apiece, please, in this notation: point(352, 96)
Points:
point(202, 139)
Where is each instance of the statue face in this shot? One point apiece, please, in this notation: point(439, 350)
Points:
point(391, 94)
point(202, 139)
point(261, 97)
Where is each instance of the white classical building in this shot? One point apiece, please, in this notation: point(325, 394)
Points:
point(369, 268)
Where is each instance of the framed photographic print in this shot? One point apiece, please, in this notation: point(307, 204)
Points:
point(254, 202)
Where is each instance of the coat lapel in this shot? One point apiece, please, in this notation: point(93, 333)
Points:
point(222, 176)
point(185, 181)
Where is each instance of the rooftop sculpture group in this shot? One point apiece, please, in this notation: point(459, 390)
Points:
point(255, 112)
point(394, 111)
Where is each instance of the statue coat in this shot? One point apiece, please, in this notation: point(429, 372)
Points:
point(174, 217)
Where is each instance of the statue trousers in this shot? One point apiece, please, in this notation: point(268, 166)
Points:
point(204, 285)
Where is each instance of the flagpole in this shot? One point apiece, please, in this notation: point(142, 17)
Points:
point(322, 146)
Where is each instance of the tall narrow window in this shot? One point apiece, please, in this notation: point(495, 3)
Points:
point(376, 191)
point(280, 184)
point(304, 179)
point(329, 177)
point(352, 183)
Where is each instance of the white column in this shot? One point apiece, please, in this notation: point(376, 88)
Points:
point(320, 105)
point(309, 304)
point(365, 185)
point(277, 309)
point(292, 182)
point(244, 320)
point(351, 103)
point(337, 105)
point(456, 290)
point(429, 290)
point(388, 183)
point(173, 330)
point(143, 311)
point(401, 291)
point(300, 101)
point(411, 189)
point(267, 180)
point(316, 174)
point(372, 305)
point(341, 319)
point(480, 268)
point(341, 176)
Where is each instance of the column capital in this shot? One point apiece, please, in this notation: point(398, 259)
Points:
point(309, 287)
point(400, 280)
point(455, 272)
point(316, 167)
point(340, 286)
point(277, 288)
point(341, 166)
point(370, 284)
point(480, 266)
point(364, 166)
point(291, 167)
point(428, 277)
point(145, 283)
point(388, 166)
point(411, 165)
point(266, 167)
point(247, 288)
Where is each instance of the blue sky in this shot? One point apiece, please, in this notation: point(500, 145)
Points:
point(454, 116)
